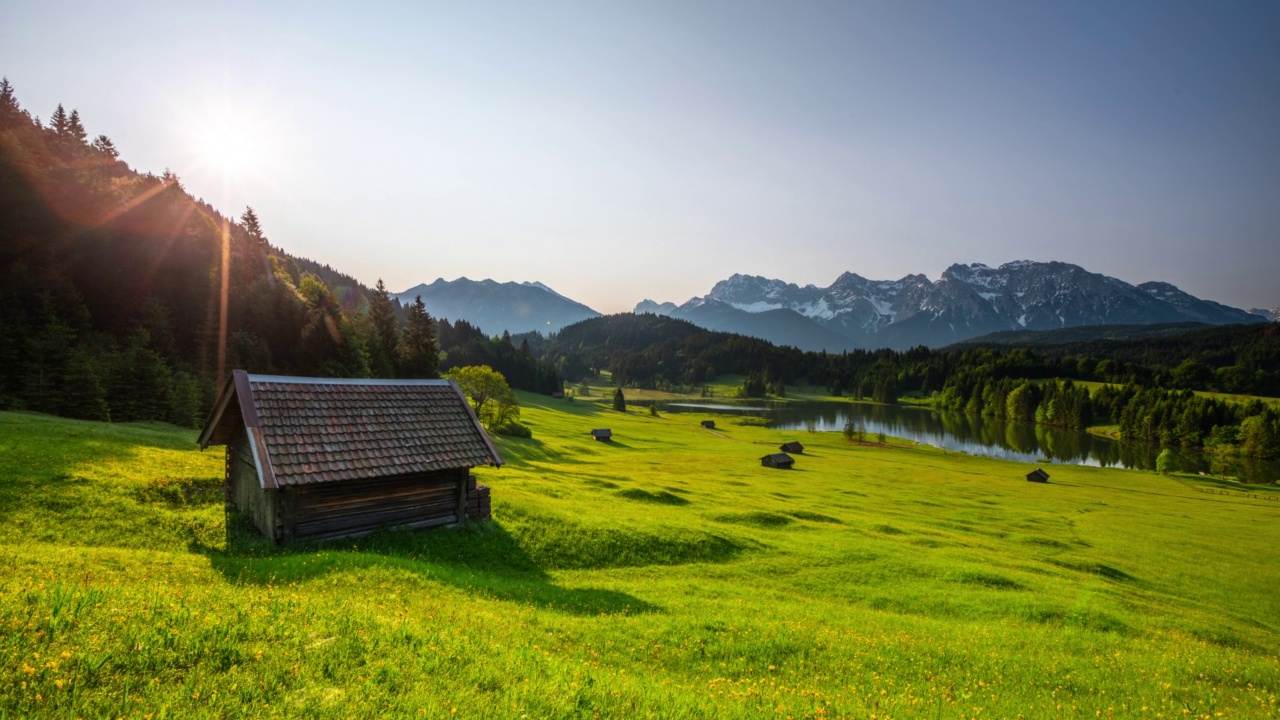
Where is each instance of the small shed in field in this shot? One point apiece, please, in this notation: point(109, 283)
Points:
point(709, 424)
point(315, 458)
point(1038, 475)
point(792, 447)
point(602, 435)
point(558, 394)
point(778, 461)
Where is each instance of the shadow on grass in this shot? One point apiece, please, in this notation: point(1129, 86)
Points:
point(531, 450)
point(481, 558)
point(661, 497)
point(47, 464)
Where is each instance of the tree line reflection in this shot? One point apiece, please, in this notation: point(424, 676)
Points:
point(989, 437)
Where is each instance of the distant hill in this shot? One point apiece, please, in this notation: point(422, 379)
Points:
point(494, 307)
point(1255, 347)
point(780, 326)
point(967, 301)
point(1087, 333)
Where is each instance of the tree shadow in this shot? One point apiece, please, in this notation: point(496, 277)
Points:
point(530, 450)
point(480, 558)
point(46, 462)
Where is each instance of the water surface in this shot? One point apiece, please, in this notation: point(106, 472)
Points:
point(976, 435)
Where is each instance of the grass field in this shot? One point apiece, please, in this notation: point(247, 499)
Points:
point(664, 575)
point(1233, 398)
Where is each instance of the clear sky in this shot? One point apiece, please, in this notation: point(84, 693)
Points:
point(621, 153)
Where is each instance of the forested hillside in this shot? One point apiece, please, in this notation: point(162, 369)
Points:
point(111, 302)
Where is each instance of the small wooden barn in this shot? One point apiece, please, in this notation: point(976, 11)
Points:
point(1038, 475)
point(709, 424)
point(558, 394)
point(602, 435)
point(315, 458)
point(792, 447)
point(778, 461)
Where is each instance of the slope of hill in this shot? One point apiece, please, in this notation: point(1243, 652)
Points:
point(111, 304)
point(114, 301)
point(496, 307)
point(1252, 349)
point(665, 575)
point(1086, 333)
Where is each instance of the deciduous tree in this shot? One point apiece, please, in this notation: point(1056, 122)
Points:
point(490, 396)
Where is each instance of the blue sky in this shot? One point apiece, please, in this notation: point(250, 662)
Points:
point(618, 153)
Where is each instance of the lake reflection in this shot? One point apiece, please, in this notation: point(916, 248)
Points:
point(977, 435)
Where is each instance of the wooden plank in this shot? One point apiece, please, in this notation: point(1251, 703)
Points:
point(462, 494)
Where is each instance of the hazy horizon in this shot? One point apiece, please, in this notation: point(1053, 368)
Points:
point(618, 154)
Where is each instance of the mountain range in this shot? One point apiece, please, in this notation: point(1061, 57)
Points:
point(494, 307)
point(967, 301)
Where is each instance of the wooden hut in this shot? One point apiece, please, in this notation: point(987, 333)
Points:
point(1038, 475)
point(792, 447)
point(709, 424)
point(602, 435)
point(314, 458)
point(778, 461)
point(558, 394)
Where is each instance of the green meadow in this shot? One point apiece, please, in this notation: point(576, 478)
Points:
point(664, 575)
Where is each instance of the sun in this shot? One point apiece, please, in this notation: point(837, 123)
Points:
point(228, 145)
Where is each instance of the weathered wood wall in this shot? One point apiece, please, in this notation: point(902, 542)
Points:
point(354, 508)
point(247, 493)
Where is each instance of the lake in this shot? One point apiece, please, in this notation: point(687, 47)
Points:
point(977, 435)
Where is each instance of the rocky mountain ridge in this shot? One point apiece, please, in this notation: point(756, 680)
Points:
point(965, 302)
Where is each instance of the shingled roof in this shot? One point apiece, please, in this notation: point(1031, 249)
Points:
point(314, 430)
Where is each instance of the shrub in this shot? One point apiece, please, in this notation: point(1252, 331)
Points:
point(511, 428)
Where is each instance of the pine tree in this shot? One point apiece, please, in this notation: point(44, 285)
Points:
point(59, 123)
point(419, 351)
point(83, 395)
point(103, 144)
point(171, 179)
point(619, 402)
point(384, 336)
point(75, 129)
point(9, 107)
point(252, 227)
